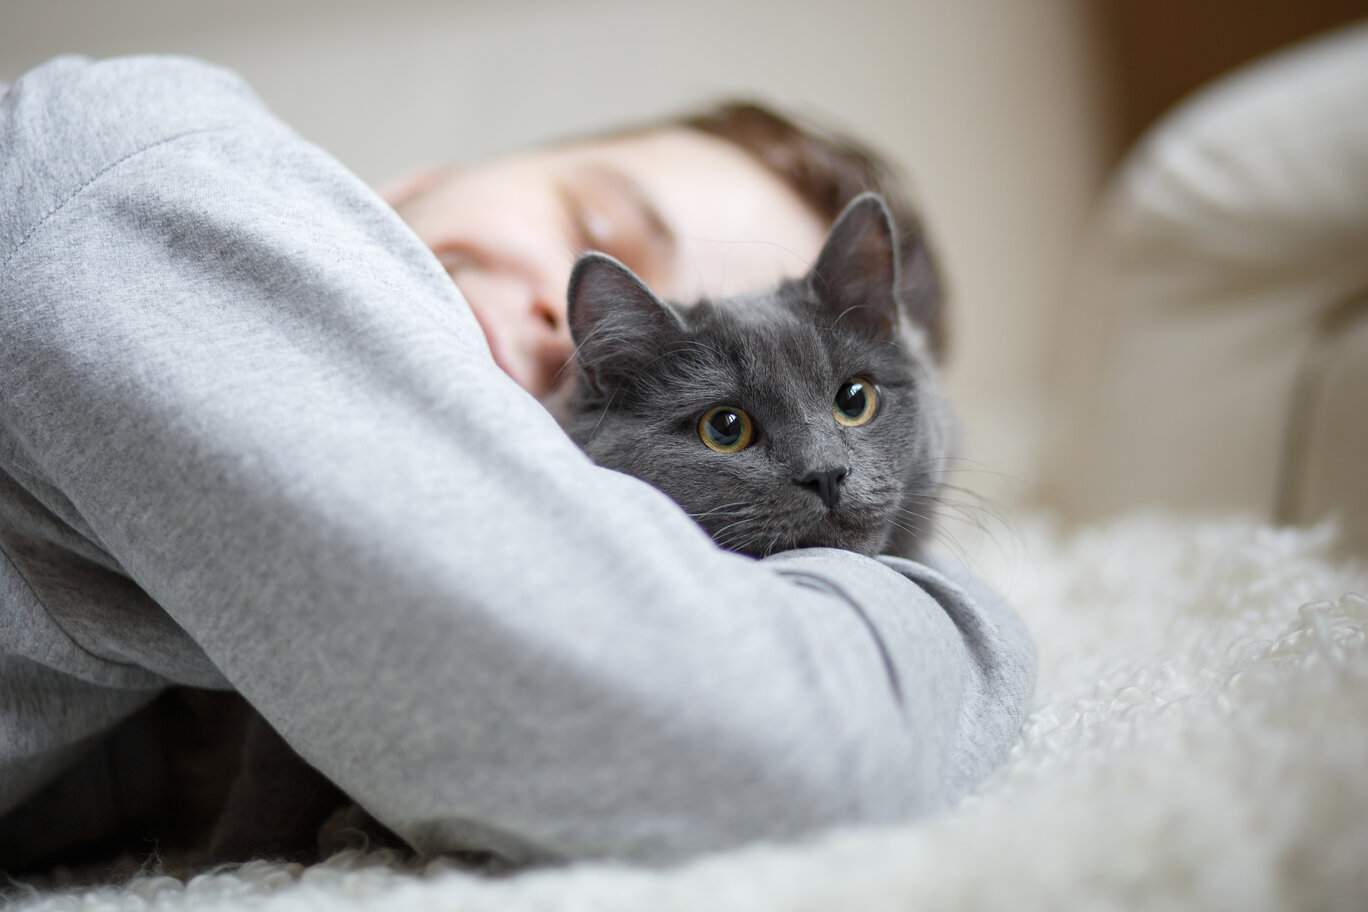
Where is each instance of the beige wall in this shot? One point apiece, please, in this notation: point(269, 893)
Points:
point(996, 107)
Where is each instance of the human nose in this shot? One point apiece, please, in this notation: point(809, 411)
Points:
point(524, 323)
point(550, 343)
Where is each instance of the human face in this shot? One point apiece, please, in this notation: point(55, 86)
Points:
point(693, 215)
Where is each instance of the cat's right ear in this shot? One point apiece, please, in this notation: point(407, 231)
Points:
point(615, 320)
point(856, 276)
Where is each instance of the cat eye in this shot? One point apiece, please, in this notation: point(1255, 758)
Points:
point(856, 402)
point(726, 429)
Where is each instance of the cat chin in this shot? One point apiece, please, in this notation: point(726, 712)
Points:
point(862, 541)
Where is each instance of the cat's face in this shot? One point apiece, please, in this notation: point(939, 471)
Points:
point(804, 416)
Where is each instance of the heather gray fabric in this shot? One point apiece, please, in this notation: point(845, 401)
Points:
point(251, 438)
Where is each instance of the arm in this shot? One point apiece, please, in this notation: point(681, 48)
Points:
point(275, 413)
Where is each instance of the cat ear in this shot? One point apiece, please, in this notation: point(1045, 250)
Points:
point(920, 287)
point(615, 320)
point(857, 273)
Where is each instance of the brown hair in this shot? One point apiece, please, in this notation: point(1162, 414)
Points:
point(828, 169)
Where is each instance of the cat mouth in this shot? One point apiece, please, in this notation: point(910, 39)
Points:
point(860, 534)
point(861, 531)
point(866, 544)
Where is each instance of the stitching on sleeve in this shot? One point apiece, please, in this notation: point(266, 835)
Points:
point(92, 179)
point(52, 619)
point(822, 584)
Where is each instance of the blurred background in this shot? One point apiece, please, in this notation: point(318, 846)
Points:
point(1008, 115)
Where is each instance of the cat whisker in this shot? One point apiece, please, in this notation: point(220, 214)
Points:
point(589, 337)
point(739, 543)
point(800, 261)
point(603, 414)
point(960, 512)
point(773, 542)
point(723, 532)
point(938, 515)
point(979, 504)
point(959, 464)
point(719, 509)
point(988, 521)
point(841, 315)
point(574, 355)
point(942, 536)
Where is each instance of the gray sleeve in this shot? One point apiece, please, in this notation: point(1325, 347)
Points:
point(266, 402)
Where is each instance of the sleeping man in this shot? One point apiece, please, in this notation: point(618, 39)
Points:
point(264, 435)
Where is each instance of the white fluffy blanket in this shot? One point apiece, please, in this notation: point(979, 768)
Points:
point(1199, 740)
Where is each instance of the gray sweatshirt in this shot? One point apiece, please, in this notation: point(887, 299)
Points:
point(251, 439)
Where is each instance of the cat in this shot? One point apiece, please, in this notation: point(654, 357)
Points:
point(807, 415)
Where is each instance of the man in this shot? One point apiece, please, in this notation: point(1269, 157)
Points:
point(253, 439)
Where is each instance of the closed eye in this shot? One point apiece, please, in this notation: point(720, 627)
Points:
point(607, 211)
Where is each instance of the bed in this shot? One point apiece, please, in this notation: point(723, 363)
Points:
point(1198, 740)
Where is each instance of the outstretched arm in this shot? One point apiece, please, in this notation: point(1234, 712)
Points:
point(254, 394)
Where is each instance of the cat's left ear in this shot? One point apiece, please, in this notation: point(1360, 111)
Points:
point(856, 276)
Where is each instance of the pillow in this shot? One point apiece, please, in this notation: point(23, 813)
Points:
point(1229, 254)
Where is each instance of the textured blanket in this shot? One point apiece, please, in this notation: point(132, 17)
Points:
point(1199, 740)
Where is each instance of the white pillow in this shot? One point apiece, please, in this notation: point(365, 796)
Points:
point(1231, 234)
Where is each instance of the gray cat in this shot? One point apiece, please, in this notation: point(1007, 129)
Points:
point(807, 415)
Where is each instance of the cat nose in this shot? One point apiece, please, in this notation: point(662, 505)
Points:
point(825, 483)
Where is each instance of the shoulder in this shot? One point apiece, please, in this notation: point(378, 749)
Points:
point(117, 104)
point(65, 123)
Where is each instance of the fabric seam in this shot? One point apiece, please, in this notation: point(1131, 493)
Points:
point(822, 584)
point(52, 618)
point(85, 185)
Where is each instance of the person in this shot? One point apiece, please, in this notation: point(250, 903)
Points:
point(254, 439)
point(509, 231)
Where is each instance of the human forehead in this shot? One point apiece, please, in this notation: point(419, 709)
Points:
point(738, 226)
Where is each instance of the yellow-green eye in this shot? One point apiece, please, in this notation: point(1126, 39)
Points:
point(726, 429)
point(856, 402)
